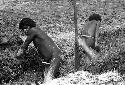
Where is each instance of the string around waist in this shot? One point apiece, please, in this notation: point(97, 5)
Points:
point(88, 36)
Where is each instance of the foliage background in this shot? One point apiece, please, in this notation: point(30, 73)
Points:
point(55, 17)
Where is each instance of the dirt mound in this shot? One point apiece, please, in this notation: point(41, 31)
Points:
point(86, 78)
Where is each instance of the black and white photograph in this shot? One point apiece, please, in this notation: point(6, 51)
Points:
point(62, 42)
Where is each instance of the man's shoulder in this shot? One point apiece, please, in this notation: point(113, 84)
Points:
point(92, 22)
point(31, 31)
point(35, 30)
point(38, 31)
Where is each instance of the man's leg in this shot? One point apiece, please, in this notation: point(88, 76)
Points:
point(57, 72)
point(54, 64)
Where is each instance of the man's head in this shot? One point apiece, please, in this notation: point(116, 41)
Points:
point(96, 17)
point(25, 23)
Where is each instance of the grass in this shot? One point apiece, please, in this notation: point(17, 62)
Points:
point(56, 19)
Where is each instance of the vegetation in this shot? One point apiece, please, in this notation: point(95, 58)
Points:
point(55, 17)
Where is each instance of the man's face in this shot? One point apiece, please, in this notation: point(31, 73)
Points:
point(25, 30)
point(25, 27)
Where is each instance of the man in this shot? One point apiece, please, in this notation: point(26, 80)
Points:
point(88, 39)
point(45, 46)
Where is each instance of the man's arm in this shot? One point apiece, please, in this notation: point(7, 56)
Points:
point(23, 49)
point(28, 40)
point(89, 51)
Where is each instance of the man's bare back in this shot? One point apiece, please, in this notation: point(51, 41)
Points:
point(89, 33)
point(44, 44)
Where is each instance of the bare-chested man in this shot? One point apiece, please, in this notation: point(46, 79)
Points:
point(45, 46)
point(88, 38)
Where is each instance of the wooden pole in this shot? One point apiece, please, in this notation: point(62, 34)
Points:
point(76, 35)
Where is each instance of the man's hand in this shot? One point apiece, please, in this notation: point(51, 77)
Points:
point(80, 42)
point(20, 52)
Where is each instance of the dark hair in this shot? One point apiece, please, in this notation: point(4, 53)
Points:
point(96, 17)
point(26, 22)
